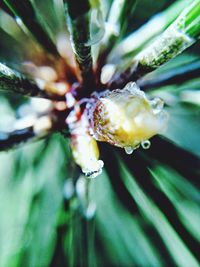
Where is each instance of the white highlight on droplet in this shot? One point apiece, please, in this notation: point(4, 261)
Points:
point(93, 169)
point(157, 105)
point(128, 149)
point(146, 144)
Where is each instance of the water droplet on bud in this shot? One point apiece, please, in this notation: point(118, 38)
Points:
point(157, 105)
point(146, 144)
point(132, 88)
point(95, 170)
point(128, 149)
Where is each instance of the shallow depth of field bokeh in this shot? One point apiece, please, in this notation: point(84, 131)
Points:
point(143, 209)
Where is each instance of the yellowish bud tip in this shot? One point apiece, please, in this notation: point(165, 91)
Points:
point(85, 149)
point(86, 154)
point(127, 118)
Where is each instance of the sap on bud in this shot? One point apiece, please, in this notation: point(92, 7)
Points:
point(126, 117)
point(86, 154)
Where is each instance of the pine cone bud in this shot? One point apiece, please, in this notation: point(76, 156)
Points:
point(126, 117)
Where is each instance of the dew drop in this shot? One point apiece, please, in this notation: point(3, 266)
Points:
point(146, 144)
point(128, 150)
point(131, 86)
point(157, 105)
point(95, 170)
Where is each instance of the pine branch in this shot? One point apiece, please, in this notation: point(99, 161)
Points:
point(4, 7)
point(78, 18)
point(139, 167)
point(114, 175)
point(117, 17)
point(178, 158)
point(158, 23)
point(24, 11)
point(9, 140)
point(18, 53)
point(177, 75)
point(13, 81)
point(37, 129)
point(126, 199)
point(181, 34)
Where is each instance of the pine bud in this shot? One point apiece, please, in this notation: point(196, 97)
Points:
point(85, 149)
point(126, 118)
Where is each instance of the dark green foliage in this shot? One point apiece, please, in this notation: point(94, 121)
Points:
point(147, 204)
point(25, 11)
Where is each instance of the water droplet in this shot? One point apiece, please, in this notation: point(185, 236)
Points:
point(97, 28)
point(133, 88)
point(146, 144)
point(96, 169)
point(128, 150)
point(157, 105)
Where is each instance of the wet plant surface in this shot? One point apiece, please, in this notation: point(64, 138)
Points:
point(104, 90)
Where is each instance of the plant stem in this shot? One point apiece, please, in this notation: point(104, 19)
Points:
point(13, 81)
point(5, 8)
point(39, 128)
point(177, 75)
point(24, 11)
point(9, 140)
point(117, 18)
point(78, 17)
point(189, 20)
point(136, 40)
point(174, 40)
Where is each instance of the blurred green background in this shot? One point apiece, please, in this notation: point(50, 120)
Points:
point(143, 210)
